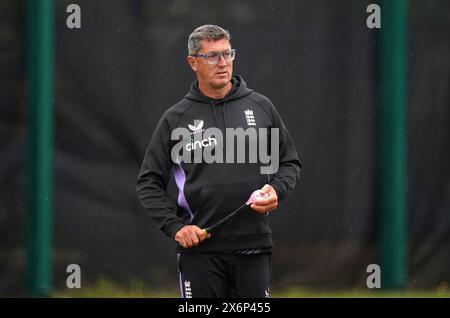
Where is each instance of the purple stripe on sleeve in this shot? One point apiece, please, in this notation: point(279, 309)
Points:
point(180, 180)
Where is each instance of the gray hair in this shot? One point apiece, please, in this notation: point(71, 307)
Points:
point(207, 32)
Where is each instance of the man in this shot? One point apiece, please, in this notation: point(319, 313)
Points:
point(234, 259)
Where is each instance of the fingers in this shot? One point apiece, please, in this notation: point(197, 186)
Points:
point(267, 188)
point(269, 200)
point(264, 208)
point(190, 236)
point(265, 201)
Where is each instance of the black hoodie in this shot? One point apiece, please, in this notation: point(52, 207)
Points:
point(209, 191)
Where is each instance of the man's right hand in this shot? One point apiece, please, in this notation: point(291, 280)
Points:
point(190, 235)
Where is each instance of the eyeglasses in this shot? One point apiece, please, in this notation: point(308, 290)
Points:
point(214, 57)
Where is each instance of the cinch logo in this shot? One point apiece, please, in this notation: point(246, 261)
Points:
point(198, 128)
point(210, 141)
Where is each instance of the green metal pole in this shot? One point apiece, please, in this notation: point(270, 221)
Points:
point(39, 72)
point(393, 143)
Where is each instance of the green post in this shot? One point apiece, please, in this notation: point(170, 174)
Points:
point(39, 72)
point(393, 144)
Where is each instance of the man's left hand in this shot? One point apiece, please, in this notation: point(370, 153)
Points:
point(267, 203)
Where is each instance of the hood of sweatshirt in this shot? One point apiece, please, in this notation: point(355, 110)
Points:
point(239, 90)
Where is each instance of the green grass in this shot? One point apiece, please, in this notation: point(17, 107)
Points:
point(105, 288)
point(136, 289)
point(357, 293)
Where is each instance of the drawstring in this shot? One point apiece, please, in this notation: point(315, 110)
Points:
point(217, 121)
point(214, 110)
point(224, 116)
point(225, 122)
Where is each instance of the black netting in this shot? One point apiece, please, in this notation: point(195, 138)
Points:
point(316, 60)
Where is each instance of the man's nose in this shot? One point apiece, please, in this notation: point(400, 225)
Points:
point(222, 60)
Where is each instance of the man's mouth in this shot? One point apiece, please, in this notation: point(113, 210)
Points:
point(222, 73)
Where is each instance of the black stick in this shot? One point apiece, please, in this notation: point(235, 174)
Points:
point(212, 227)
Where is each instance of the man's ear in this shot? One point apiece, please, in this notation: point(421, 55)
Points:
point(192, 63)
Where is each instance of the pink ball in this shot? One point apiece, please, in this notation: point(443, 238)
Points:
point(255, 194)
